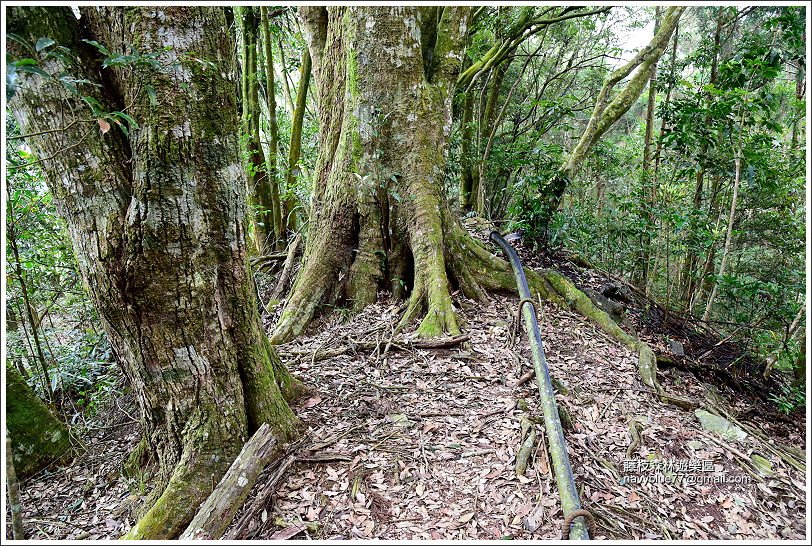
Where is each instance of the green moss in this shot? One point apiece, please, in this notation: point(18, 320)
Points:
point(38, 438)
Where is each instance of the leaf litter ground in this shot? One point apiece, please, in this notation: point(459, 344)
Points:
point(421, 444)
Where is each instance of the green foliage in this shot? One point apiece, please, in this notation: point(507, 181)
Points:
point(790, 399)
point(663, 225)
point(79, 359)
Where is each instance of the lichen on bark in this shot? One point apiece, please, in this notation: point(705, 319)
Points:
point(38, 438)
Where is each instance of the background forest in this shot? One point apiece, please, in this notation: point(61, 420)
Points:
point(694, 199)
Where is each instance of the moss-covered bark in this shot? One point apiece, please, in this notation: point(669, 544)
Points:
point(295, 149)
point(38, 438)
point(273, 128)
point(467, 155)
point(157, 217)
point(379, 218)
point(260, 181)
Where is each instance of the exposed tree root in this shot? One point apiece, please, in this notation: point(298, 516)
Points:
point(187, 488)
point(464, 263)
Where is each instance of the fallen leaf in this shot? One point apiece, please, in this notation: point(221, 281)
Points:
point(466, 518)
point(311, 402)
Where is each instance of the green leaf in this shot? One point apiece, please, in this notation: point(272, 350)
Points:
point(126, 117)
point(44, 43)
point(25, 62)
point(98, 46)
point(153, 98)
point(34, 70)
point(20, 40)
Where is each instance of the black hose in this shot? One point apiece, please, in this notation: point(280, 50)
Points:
point(565, 482)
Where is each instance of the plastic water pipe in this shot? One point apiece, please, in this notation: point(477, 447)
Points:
point(570, 502)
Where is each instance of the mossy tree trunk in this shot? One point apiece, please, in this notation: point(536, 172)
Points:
point(379, 218)
point(295, 149)
point(608, 110)
point(273, 128)
point(467, 152)
point(158, 222)
point(38, 438)
point(641, 270)
point(260, 181)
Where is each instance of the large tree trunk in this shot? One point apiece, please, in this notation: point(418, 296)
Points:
point(158, 221)
point(379, 219)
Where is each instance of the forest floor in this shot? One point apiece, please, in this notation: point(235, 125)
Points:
point(421, 444)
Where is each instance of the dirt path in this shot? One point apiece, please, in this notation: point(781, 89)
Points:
point(431, 438)
point(428, 441)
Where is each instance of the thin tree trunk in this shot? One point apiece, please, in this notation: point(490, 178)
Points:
point(641, 271)
point(259, 182)
point(467, 152)
point(29, 308)
point(15, 505)
point(691, 283)
point(273, 144)
point(295, 149)
point(13, 325)
point(284, 77)
point(728, 238)
point(488, 124)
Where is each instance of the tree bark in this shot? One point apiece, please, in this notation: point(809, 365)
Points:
point(260, 182)
point(15, 505)
point(273, 144)
point(295, 149)
point(378, 216)
point(728, 237)
point(157, 217)
point(642, 268)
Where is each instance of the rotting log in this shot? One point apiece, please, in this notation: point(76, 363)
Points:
point(219, 509)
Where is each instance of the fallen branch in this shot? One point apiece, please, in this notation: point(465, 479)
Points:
point(526, 449)
point(402, 345)
point(261, 500)
point(216, 513)
point(294, 250)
